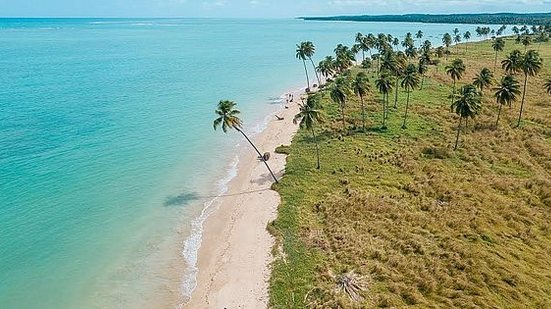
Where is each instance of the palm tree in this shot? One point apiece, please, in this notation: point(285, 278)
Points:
point(307, 117)
point(467, 105)
point(396, 42)
point(338, 93)
point(228, 118)
point(512, 63)
point(498, 45)
point(422, 69)
point(309, 51)
point(301, 54)
point(483, 79)
point(384, 85)
point(530, 66)
point(447, 41)
point(526, 41)
point(425, 48)
point(419, 35)
point(361, 87)
point(326, 67)
point(467, 37)
point(457, 40)
point(402, 60)
point(547, 85)
point(506, 93)
point(359, 40)
point(345, 57)
point(366, 44)
point(410, 52)
point(408, 40)
point(455, 70)
point(410, 81)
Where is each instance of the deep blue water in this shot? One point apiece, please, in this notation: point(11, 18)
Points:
point(107, 148)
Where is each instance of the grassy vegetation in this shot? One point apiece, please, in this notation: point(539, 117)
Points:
point(417, 223)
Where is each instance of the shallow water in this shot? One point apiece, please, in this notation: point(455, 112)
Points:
point(107, 151)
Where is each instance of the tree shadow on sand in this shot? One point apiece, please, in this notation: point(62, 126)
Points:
point(266, 178)
point(186, 198)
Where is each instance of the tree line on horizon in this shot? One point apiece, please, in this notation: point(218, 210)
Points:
point(483, 18)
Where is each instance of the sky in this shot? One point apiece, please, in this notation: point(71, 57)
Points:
point(257, 8)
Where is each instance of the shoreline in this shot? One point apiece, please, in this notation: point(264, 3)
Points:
point(234, 254)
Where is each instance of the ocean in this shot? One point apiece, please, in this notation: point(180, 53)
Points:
point(107, 151)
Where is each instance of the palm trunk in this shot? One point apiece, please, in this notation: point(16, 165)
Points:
point(495, 62)
point(387, 105)
point(422, 82)
point(457, 134)
point(317, 147)
point(384, 110)
point(406, 114)
point(453, 91)
point(259, 155)
point(396, 93)
point(522, 102)
point(363, 55)
point(342, 113)
point(315, 71)
point(499, 114)
point(363, 112)
point(306, 71)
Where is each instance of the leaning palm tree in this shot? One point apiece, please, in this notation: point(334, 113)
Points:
point(512, 63)
point(483, 79)
point(455, 70)
point(361, 87)
point(410, 81)
point(228, 118)
point(547, 85)
point(307, 117)
point(498, 45)
point(468, 104)
point(530, 66)
point(339, 93)
point(309, 51)
point(384, 85)
point(301, 54)
point(506, 93)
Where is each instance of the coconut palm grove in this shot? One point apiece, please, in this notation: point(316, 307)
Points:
point(421, 175)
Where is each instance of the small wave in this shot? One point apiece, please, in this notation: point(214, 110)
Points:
point(193, 242)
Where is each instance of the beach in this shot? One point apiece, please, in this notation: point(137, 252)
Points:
point(235, 254)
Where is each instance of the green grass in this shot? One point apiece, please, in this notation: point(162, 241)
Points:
point(422, 225)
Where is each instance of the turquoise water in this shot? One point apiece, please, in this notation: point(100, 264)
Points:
point(107, 151)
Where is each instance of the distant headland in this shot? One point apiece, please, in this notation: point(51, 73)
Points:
point(484, 18)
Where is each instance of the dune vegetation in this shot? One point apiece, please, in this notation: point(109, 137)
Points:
point(394, 216)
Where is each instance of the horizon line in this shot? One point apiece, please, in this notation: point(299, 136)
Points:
point(248, 17)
